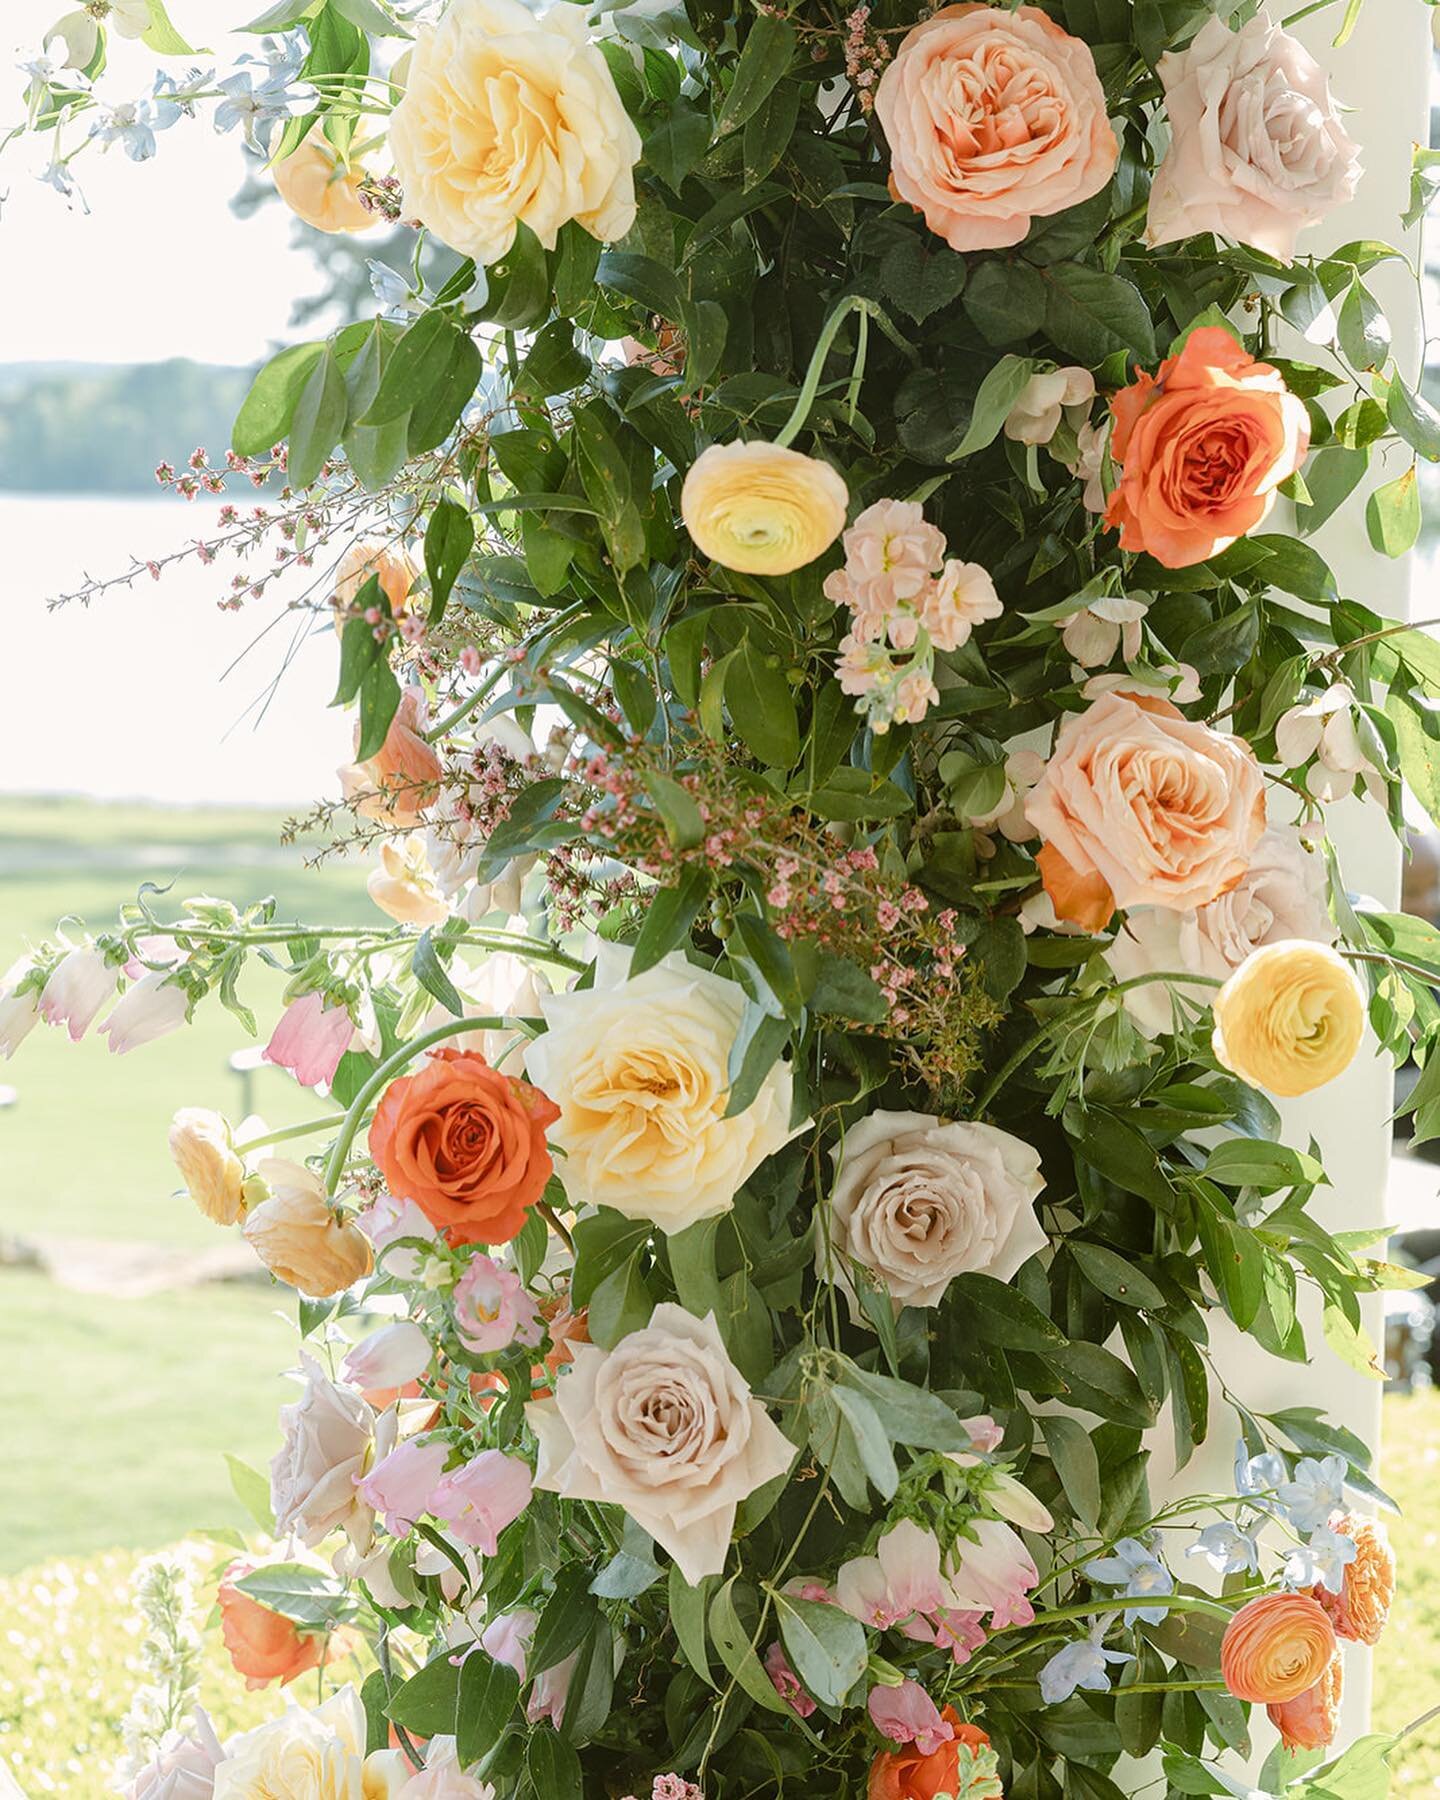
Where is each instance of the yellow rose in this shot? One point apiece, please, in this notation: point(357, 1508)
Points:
point(213, 1174)
point(317, 1755)
point(404, 885)
point(509, 118)
point(318, 189)
point(299, 1239)
point(1290, 1018)
point(762, 510)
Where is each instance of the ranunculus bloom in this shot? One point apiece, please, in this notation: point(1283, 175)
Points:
point(319, 189)
point(403, 885)
point(917, 1201)
point(994, 118)
point(79, 985)
point(907, 1715)
point(506, 119)
point(1310, 1720)
point(150, 1008)
point(310, 1755)
point(665, 1426)
point(1281, 895)
point(388, 1358)
point(403, 774)
point(1276, 1647)
point(400, 1485)
point(299, 1238)
point(479, 1499)
point(213, 1174)
point(1202, 447)
point(329, 1435)
point(264, 1646)
point(761, 509)
point(1290, 1018)
point(1360, 1609)
point(492, 1308)
point(310, 1038)
point(1139, 806)
point(1257, 150)
point(466, 1144)
point(640, 1070)
point(917, 1774)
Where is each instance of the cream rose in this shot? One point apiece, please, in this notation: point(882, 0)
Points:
point(1290, 1018)
point(1281, 895)
point(665, 1426)
point(994, 117)
point(640, 1072)
point(1257, 151)
point(213, 1174)
point(299, 1238)
point(761, 509)
point(509, 118)
point(328, 1443)
point(305, 1755)
point(918, 1201)
point(1139, 806)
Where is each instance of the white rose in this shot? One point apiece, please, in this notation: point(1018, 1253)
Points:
point(640, 1072)
point(1281, 896)
point(918, 1201)
point(508, 118)
point(317, 1755)
point(665, 1426)
point(329, 1437)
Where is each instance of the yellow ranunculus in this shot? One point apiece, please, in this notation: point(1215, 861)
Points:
point(299, 1239)
point(1290, 1018)
point(213, 1174)
point(508, 118)
point(318, 190)
point(762, 510)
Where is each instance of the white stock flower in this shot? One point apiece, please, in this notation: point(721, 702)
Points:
point(1324, 728)
point(1047, 396)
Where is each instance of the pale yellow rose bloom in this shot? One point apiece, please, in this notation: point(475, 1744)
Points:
point(299, 1239)
point(760, 509)
point(320, 190)
point(508, 118)
point(1290, 1018)
point(317, 1755)
point(213, 1174)
point(403, 885)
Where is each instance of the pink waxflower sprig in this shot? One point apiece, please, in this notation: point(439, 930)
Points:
point(907, 599)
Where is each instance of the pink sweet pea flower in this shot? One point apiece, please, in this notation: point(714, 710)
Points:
point(958, 1632)
point(907, 1715)
point(902, 1578)
point(985, 1434)
point(310, 1039)
point(400, 1485)
point(480, 1499)
point(152, 1008)
point(551, 1691)
point(386, 1220)
point(787, 1682)
point(79, 985)
point(992, 1571)
point(509, 1637)
point(493, 1310)
point(388, 1358)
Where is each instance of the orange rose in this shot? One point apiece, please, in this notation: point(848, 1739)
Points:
point(1276, 1647)
point(466, 1144)
point(1202, 446)
point(1308, 1721)
point(264, 1646)
point(404, 773)
point(907, 1775)
point(1360, 1609)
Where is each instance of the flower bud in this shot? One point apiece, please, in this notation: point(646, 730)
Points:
point(213, 1174)
point(388, 1358)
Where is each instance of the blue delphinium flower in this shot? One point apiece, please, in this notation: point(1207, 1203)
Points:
point(1316, 1490)
point(1323, 1559)
point(1138, 1571)
point(1257, 1474)
point(1079, 1665)
point(1229, 1549)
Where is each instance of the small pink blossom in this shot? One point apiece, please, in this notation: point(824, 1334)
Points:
point(902, 1578)
point(493, 1310)
point(150, 1008)
point(310, 1039)
point(985, 1434)
point(79, 985)
point(508, 1638)
point(787, 1683)
point(480, 1499)
point(400, 1485)
point(907, 1715)
point(388, 1358)
point(550, 1691)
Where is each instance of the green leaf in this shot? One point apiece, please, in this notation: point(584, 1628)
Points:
point(486, 1699)
point(757, 1048)
point(379, 702)
point(161, 36)
point(854, 794)
point(1115, 1276)
point(427, 1703)
point(826, 1647)
point(552, 1765)
point(264, 419)
point(768, 131)
point(376, 453)
point(671, 913)
point(762, 705)
point(920, 274)
point(437, 410)
point(869, 1439)
point(1254, 1162)
point(283, 14)
point(430, 972)
point(1001, 1314)
point(1001, 388)
point(1417, 734)
point(688, 1603)
point(252, 1490)
point(910, 1414)
point(677, 144)
point(736, 1651)
point(764, 63)
point(845, 991)
point(1092, 315)
point(1072, 1450)
point(1364, 329)
point(1392, 515)
point(371, 16)
point(417, 364)
point(678, 808)
point(306, 1596)
point(565, 1619)
point(518, 291)
point(449, 539)
point(620, 1304)
point(552, 364)
point(1414, 418)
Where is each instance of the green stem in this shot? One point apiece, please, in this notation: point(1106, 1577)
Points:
point(466, 706)
point(852, 303)
point(1122, 1602)
point(290, 1131)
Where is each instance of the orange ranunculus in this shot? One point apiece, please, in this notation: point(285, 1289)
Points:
point(264, 1646)
point(404, 773)
point(466, 1144)
point(1276, 1647)
point(907, 1775)
point(318, 188)
point(1202, 447)
point(1360, 1609)
point(1308, 1721)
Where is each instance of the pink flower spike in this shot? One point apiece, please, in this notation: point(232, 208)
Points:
point(400, 1485)
point(479, 1500)
point(310, 1039)
point(787, 1683)
point(907, 1715)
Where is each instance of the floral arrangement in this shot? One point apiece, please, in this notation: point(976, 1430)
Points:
point(845, 715)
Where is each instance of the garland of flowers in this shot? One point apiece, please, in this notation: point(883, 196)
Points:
point(845, 728)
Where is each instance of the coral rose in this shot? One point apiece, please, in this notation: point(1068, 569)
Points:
point(264, 1646)
point(213, 1174)
point(512, 119)
point(466, 1144)
point(912, 1774)
point(1309, 1721)
point(1139, 806)
point(1257, 149)
point(1360, 1609)
point(1290, 1018)
point(1201, 447)
point(1275, 1648)
point(404, 773)
point(994, 117)
point(299, 1238)
point(322, 191)
point(761, 509)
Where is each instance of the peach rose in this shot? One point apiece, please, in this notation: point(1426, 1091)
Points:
point(1275, 1648)
point(404, 773)
point(299, 1239)
point(994, 118)
point(1201, 446)
point(1308, 1722)
point(466, 1144)
point(321, 190)
point(389, 563)
point(1360, 1609)
point(1290, 1018)
point(1140, 806)
point(910, 1774)
point(264, 1646)
point(1257, 150)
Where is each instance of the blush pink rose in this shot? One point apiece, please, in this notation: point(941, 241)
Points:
point(994, 118)
point(1257, 150)
point(1139, 806)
